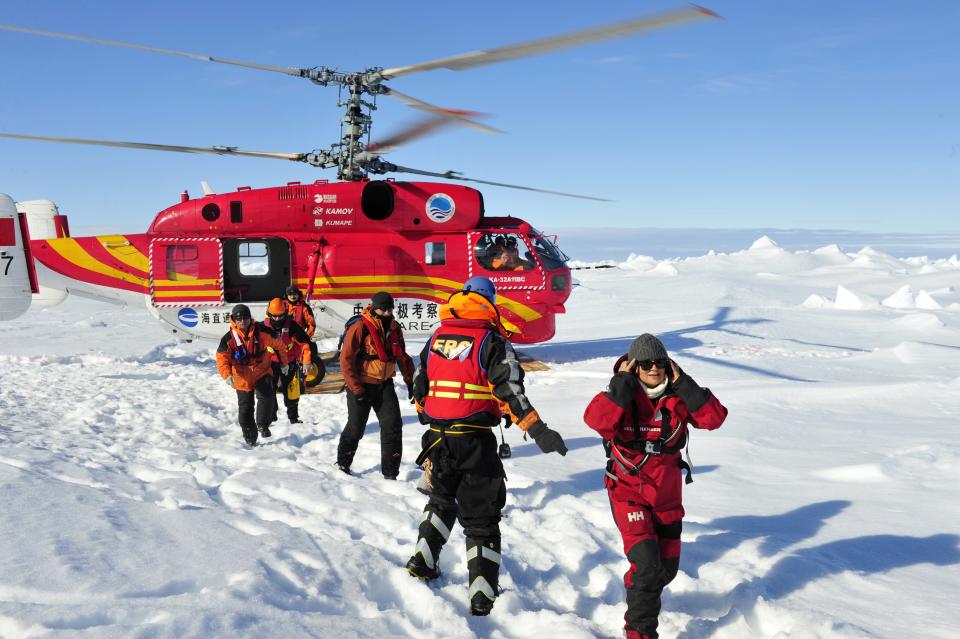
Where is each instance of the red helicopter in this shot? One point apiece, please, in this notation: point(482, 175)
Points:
point(338, 241)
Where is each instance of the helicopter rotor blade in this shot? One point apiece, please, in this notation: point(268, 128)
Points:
point(420, 128)
point(555, 43)
point(453, 175)
point(294, 71)
point(213, 150)
point(450, 114)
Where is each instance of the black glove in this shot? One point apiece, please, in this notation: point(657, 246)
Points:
point(410, 391)
point(548, 440)
point(360, 399)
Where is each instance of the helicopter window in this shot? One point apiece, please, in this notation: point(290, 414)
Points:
point(236, 212)
point(436, 253)
point(183, 263)
point(502, 252)
point(550, 253)
point(254, 259)
point(210, 212)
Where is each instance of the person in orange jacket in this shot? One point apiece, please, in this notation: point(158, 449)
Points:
point(243, 360)
point(372, 350)
point(302, 314)
point(300, 311)
point(297, 345)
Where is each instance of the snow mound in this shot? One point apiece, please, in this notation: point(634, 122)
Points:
point(817, 301)
point(636, 262)
point(831, 250)
point(917, 322)
point(925, 300)
point(665, 268)
point(868, 258)
point(849, 301)
point(647, 264)
point(903, 298)
point(764, 243)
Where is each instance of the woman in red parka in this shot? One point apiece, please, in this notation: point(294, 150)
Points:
point(643, 418)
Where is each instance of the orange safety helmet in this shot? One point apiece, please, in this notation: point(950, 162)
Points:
point(277, 308)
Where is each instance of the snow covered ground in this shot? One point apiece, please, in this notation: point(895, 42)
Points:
point(826, 506)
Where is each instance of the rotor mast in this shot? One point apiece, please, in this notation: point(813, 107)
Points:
point(347, 154)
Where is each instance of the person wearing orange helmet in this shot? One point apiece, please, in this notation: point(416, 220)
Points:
point(469, 377)
point(297, 346)
point(244, 361)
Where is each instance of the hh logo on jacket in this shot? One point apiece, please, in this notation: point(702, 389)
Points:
point(452, 346)
point(635, 516)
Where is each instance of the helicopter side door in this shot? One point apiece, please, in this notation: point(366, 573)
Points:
point(507, 260)
point(255, 269)
point(185, 271)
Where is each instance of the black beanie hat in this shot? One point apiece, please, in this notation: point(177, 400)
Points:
point(241, 311)
point(382, 300)
point(647, 347)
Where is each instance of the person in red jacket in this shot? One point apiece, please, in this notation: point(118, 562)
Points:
point(643, 418)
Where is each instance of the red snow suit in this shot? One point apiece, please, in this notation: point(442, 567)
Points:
point(644, 477)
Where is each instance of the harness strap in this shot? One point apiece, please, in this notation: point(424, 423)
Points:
point(460, 429)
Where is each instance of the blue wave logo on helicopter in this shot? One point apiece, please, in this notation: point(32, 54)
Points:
point(440, 207)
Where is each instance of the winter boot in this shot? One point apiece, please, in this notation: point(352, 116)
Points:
point(265, 431)
point(434, 532)
point(344, 468)
point(250, 435)
point(483, 570)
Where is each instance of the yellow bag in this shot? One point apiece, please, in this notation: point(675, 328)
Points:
point(293, 388)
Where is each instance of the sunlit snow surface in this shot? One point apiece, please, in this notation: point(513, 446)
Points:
point(828, 505)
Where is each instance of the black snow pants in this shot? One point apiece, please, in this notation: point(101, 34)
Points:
point(469, 487)
point(382, 398)
point(266, 406)
point(280, 382)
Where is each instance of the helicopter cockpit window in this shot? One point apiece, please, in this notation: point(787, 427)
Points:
point(183, 263)
point(503, 252)
point(550, 254)
point(436, 253)
point(254, 259)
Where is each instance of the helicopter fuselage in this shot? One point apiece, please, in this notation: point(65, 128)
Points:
point(339, 242)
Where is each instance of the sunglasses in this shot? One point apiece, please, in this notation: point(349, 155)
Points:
point(277, 318)
point(650, 363)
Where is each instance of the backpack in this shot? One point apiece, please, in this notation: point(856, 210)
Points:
point(346, 326)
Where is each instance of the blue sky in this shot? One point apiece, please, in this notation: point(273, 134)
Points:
point(808, 114)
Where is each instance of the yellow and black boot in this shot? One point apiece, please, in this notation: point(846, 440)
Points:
point(434, 531)
point(483, 570)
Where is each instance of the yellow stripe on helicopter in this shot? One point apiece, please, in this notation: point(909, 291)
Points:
point(120, 248)
point(522, 310)
point(70, 250)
